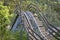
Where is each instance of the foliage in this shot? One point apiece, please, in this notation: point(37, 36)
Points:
point(4, 15)
point(50, 8)
point(4, 19)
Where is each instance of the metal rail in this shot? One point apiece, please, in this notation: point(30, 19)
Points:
point(36, 33)
point(33, 19)
point(14, 22)
point(31, 26)
point(42, 15)
point(50, 26)
point(44, 19)
point(54, 35)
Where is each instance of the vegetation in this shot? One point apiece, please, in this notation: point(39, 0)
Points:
point(5, 20)
point(50, 8)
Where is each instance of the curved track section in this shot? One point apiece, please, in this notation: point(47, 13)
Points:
point(51, 28)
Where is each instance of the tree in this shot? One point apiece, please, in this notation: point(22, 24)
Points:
point(4, 19)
